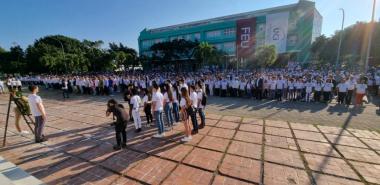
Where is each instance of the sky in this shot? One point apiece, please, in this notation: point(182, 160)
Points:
point(24, 21)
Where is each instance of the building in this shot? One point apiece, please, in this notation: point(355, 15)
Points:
point(291, 28)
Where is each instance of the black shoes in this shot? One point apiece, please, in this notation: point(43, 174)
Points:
point(41, 140)
point(138, 130)
point(124, 145)
point(193, 132)
point(116, 147)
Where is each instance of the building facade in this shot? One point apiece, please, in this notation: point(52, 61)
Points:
point(290, 28)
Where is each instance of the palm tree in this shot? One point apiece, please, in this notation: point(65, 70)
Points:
point(204, 52)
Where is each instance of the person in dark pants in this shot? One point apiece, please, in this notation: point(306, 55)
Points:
point(194, 104)
point(120, 124)
point(201, 104)
point(147, 100)
point(38, 111)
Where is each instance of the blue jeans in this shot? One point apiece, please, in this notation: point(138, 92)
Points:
point(202, 115)
point(168, 112)
point(159, 121)
point(176, 111)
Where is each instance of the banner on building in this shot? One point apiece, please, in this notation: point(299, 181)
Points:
point(245, 37)
point(277, 30)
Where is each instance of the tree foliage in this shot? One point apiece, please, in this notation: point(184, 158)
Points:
point(61, 54)
point(353, 50)
point(265, 56)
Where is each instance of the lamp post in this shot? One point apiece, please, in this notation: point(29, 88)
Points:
point(370, 36)
point(340, 41)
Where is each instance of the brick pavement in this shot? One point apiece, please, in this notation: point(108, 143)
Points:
point(230, 150)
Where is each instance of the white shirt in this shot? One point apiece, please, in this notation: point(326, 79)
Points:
point(327, 87)
point(318, 86)
point(200, 97)
point(166, 97)
point(135, 101)
point(342, 87)
point(182, 103)
point(309, 87)
point(33, 100)
point(194, 99)
point(360, 88)
point(158, 98)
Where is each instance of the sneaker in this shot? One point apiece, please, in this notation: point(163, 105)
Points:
point(24, 132)
point(168, 129)
point(139, 130)
point(186, 139)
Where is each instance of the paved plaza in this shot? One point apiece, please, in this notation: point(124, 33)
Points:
point(244, 142)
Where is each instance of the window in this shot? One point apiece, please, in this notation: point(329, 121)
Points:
point(213, 34)
point(229, 32)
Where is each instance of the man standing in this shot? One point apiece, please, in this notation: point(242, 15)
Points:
point(194, 103)
point(201, 104)
point(135, 102)
point(38, 111)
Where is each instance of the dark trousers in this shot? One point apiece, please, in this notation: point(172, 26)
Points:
point(194, 120)
point(39, 128)
point(65, 93)
point(341, 97)
point(148, 114)
point(121, 134)
point(349, 97)
point(224, 92)
point(326, 96)
point(317, 96)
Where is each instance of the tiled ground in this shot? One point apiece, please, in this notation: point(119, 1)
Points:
point(230, 150)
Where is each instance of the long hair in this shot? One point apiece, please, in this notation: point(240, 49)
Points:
point(186, 96)
point(169, 91)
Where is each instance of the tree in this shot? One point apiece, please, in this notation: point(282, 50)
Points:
point(57, 53)
point(124, 55)
point(265, 56)
point(204, 53)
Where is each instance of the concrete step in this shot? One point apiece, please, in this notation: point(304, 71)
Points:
point(10, 174)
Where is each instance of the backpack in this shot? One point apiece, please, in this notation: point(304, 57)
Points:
point(204, 99)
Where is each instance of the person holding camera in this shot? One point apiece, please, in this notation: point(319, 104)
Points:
point(121, 123)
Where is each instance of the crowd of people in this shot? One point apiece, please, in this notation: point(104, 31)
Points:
point(168, 98)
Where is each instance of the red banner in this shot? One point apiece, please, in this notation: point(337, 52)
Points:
point(245, 37)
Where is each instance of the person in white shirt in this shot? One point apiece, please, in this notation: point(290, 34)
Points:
point(65, 88)
point(308, 89)
point(272, 84)
point(318, 90)
point(224, 86)
point(136, 101)
point(176, 95)
point(342, 89)
point(201, 105)
point(351, 87)
point(361, 90)
point(1, 87)
point(186, 110)
point(168, 105)
point(194, 105)
point(327, 88)
point(158, 107)
point(38, 111)
point(147, 101)
point(291, 90)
